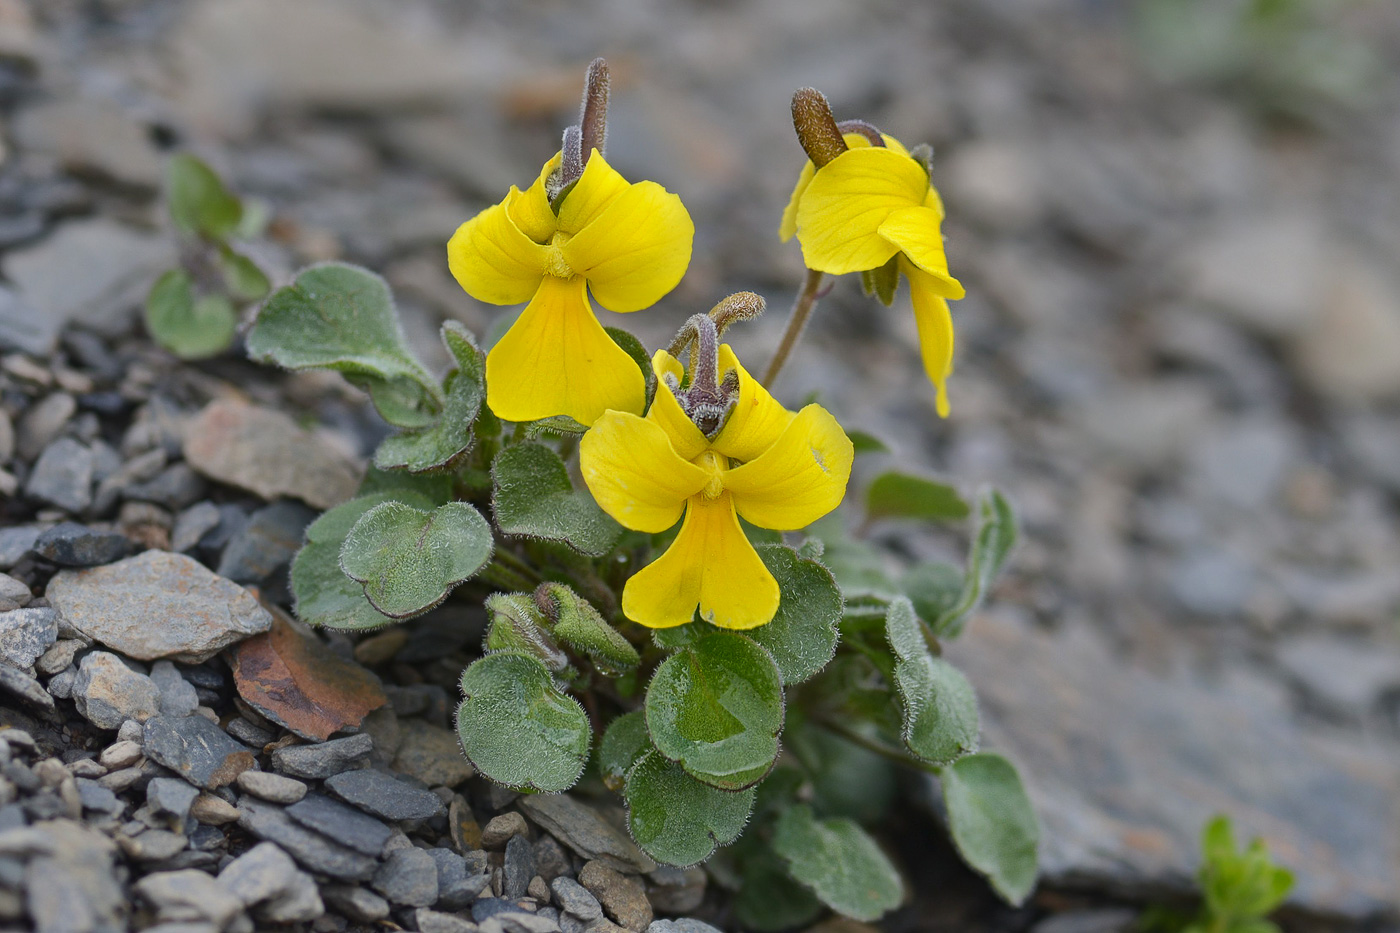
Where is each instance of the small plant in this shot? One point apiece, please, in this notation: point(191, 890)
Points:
point(671, 594)
point(1239, 888)
point(192, 310)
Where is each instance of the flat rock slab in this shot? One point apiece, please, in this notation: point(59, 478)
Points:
point(158, 605)
point(1125, 766)
point(265, 452)
point(196, 749)
point(384, 796)
point(584, 830)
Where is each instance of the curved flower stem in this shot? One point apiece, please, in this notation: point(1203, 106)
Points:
point(801, 311)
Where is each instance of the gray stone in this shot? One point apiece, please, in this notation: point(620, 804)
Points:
point(72, 886)
point(1243, 461)
point(92, 135)
point(265, 546)
point(385, 796)
point(1344, 679)
point(72, 545)
point(120, 754)
point(170, 800)
point(249, 734)
point(574, 899)
point(14, 594)
point(153, 845)
point(458, 883)
point(432, 754)
point(59, 656)
point(192, 524)
point(409, 877)
point(196, 749)
point(433, 921)
point(1212, 581)
point(25, 634)
point(623, 897)
point(519, 867)
point(323, 759)
point(189, 895)
point(1352, 352)
point(63, 476)
point(175, 487)
point(299, 903)
point(266, 878)
point(582, 829)
point(344, 824)
point(20, 685)
point(272, 787)
point(676, 890)
point(178, 696)
point(17, 541)
point(107, 692)
point(518, 921)
point(98, 799)
point(356, 903)
point(687, 925)
point(1125, 766)
point(25, 328)
point(156, 605)
point(312, 850)
point(43, 422)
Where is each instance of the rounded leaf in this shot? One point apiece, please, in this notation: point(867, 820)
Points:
point(716, 707)
point(534, 498)
point(803, 634)
point(198, 200)
point(517, 728)
point(992, 822)
point(443, 444)
point(190, 328)
point(900, 495)
point(677, 819)
point(840, 863)
point(409, 559)
point(624, 742)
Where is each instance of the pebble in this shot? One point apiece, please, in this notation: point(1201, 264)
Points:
point(174, 488)
point(22, 327)
point(170, 799)
point(432, 754)
point(458, 883)
point(63, 476)
point(265, 546)
point(676, 890)
point(119, 755)
point(323, 759)
point(432, 921)
point(189, 896)
point(267, 876)
point(178, 696)
point(25, 634)
point(276, 788)
point(196, 749)
point(14, 594)
point(99, 799)
point(518, 868)
point(385, 796)
point(409, 877)
point(192, 524)
point(357, 903)
point(158, 605)
point(551, 860)
point(312, 850)
point(623, 897)
point(153, 845)
point(59, 656)
point(213, 811)
point(72, 545)
point(108, 692)
point(501, 829)
point(42, 423)
point(72, 884)
point(344, 824)
point(20, 685)
point(574, 899)
point(582, 829)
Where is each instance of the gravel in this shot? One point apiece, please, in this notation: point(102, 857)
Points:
point(384, 796)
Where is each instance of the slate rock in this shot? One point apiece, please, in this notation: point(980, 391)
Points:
point(275, 788)
point(178, 696)
point(432, 754)
point(174, 488)
point(434, 921)
point(192, 524)
point(25, 634)
point(108, 693)
point(624, 897)
point(342, 823)
point(385, 796)
point(582, 829)
point(408, 877)
point(265, 877)
point(356, 903)
point(267, 453)
point(72, 545)
point(24, 327)
point(322, 759)
point(25, 688)
point(312, 850)
point(92, 135)
point(189, 895)
point(42, 423)
point(16, 542)
point(518, 868)
point(574, 899)
point(170, 800)
point(14, 594)
point(684, 925)
point(72, 884)
point(157, 605)
point(98, 799)
point(196, 749)
point(458, 882)
point(266, 545)
point(63, 475)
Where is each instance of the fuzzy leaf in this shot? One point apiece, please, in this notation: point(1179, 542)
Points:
point(634, 348)
point(899, 495)
point(716, 707)
point(535, 499)
point(840, 862)
point(996, 535)
point(518, 625)
point(442, 445)
point(191, 328)
point(802, 636)
point(933, 587)
point(409, 559)
point(623, 744)
point(517, 728)
point(677, 819)
point(198, 200)
point(242, 277)
point(770, 900)
point(342, 317)
point(938, 704)
point(992, 823)
point(581, 627)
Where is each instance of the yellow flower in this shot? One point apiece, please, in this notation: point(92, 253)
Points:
point(778, 469)
point(867, 207)
point(628, 244)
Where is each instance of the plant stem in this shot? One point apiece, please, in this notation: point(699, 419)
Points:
point(801, 311)
point(877, 747)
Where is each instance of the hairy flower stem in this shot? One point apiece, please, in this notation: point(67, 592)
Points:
point(498, 574)
point(801, 310)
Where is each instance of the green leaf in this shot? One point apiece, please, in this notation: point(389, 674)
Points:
point(996, 535)
point(677, 819)
point(409, 559)
point(433, 488)
point(535, 499)
point(517, 728)
point(933, 587)
point(840, 862)
point(242, 277)
point(342, 317)
point(577, 624)
point(191, 328)
point(900, 495)
point(1240, 888)
point(198, 200)
point(882, 282)
point(858, 567)
point(624, 743)
point(867, 443)
point(518, 625)
point(992, 823)
point(716, 707)
point(770, 900)
point(442, 445)
point(802, 636)
point(938, 704)
point(628, 342)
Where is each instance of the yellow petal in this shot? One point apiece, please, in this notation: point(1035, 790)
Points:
point(915, 231)
point(687, 440)
point(757, 419)
point(493, 260)
point(839, 216)
point(530, 208)
point(935, 329)
point(710, 565)
point(634, 473)
point(556, 359)
point(636, 249)
point(595, 190)
point(853, 141)
point(797, 480)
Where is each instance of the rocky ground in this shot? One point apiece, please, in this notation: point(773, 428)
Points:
point(1180, 354)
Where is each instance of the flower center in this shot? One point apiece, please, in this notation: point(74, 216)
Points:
point(714, 464)
point(554, 263)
